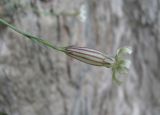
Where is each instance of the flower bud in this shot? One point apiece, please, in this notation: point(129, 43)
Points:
point(89, 56)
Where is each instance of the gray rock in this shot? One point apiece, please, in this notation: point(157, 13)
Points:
point(35, 80)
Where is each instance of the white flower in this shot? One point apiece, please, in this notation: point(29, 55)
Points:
point(121, 64)
point(83, 13)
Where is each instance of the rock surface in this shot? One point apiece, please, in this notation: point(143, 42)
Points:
point(35, 80)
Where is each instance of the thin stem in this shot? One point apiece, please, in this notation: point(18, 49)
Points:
point(31, 37)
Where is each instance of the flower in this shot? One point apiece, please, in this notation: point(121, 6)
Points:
point(83, 13)
point(121, 64)
point(118, 64)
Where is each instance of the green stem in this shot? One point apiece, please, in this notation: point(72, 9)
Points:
point(31, 37)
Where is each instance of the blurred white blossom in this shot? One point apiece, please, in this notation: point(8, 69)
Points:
point(121, 64)
point(83, 13)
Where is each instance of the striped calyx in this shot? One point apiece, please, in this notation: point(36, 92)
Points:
point(89, 56)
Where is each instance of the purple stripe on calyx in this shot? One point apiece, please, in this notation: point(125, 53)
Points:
point(89, 56)
point(84, 49)
point(86, 60)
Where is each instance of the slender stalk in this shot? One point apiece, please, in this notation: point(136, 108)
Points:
point(31, 37)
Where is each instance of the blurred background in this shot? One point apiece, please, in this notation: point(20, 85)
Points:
point(35, 80)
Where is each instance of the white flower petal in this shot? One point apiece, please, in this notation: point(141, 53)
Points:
point(83, 13)
point(127, 64)
point(125, 50)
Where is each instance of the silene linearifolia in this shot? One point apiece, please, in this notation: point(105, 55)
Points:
point(118, 63)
